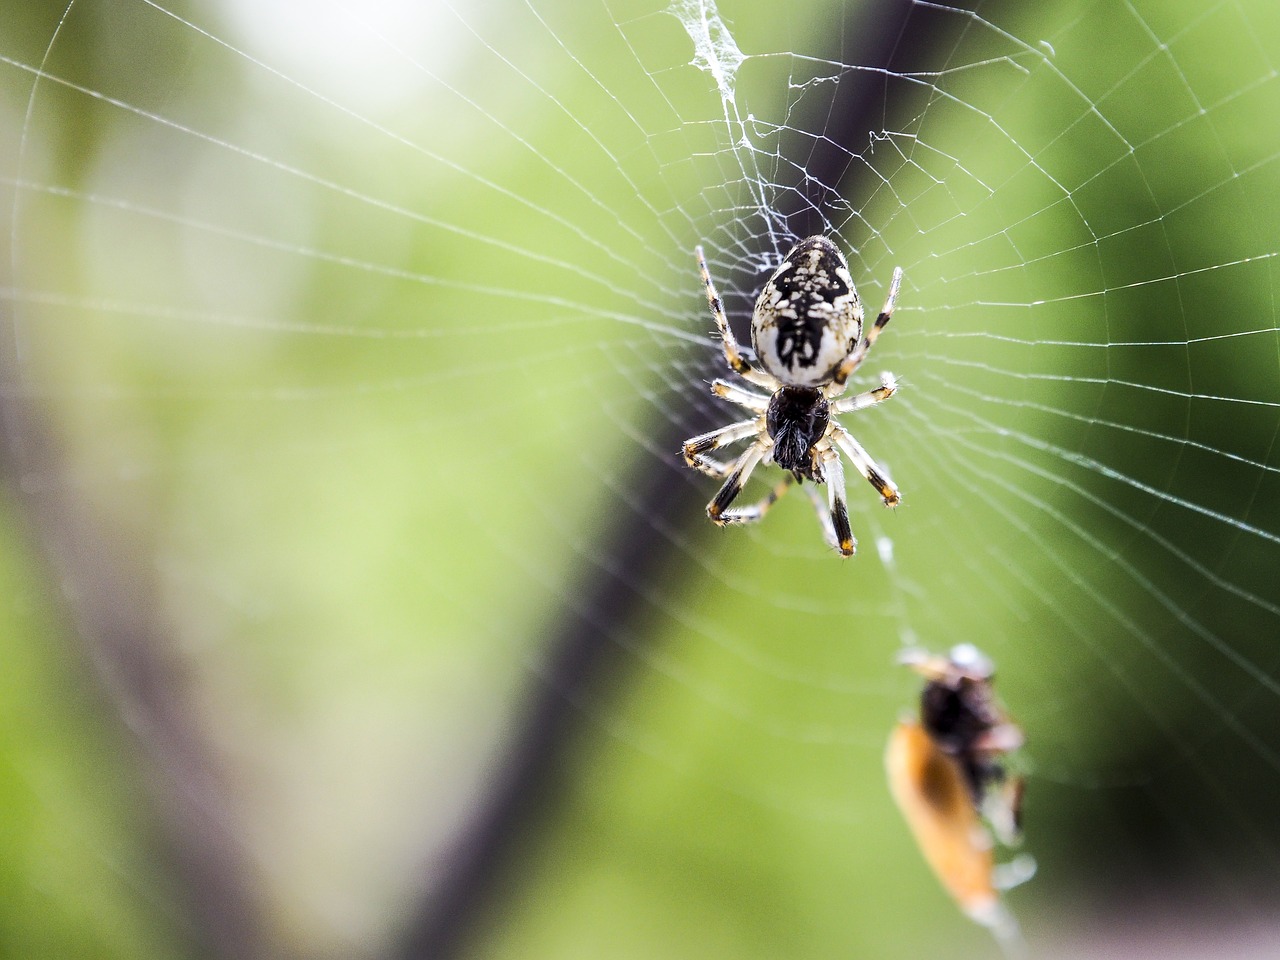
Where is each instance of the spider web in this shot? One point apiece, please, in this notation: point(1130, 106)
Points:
point(361, 337)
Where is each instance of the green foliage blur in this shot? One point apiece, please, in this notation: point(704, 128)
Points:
point(348, 334)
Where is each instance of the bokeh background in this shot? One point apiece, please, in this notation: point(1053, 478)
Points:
point(354, 601)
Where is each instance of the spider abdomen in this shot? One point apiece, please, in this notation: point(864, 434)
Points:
point(808, 317)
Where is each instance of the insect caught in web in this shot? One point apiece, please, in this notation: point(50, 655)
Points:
point(806, 331)
point(947, 774)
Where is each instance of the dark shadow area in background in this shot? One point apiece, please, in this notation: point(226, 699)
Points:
point(103, 585)
point(107, 597)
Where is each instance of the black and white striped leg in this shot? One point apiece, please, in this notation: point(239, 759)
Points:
point(869, 398)
point(863, 463)
point(757, 510)
point(732, 352)
point(736, 394)
point(864, 346)
point(833, 469)
point(823, 510)
point(696, 448)
point(740, 471)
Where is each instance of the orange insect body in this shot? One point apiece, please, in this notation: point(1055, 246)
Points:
point(947, 775)
point(931, 792)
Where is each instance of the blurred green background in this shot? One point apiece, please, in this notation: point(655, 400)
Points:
point(348, 350)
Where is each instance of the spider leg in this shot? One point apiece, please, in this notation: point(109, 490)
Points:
point(824, 515)
point(713, 467)
point(732, 352)
point(859, 352)
point(824, 511)
point(736, 394)
point(869, 398)
point(696, 447)
point(833, 470)
point(865, 465)
point(740, 470)
point(757, 510)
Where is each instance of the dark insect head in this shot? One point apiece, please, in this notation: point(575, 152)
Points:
point(957, 713)
point(796, 419)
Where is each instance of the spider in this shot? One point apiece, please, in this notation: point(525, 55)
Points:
point(806, 332)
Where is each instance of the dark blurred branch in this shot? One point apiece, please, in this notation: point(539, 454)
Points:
point(584, 664)
point(583, 667)
point(108, 594)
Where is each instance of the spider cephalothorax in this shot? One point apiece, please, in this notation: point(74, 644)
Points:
point(796, 419)
point(808, 338)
